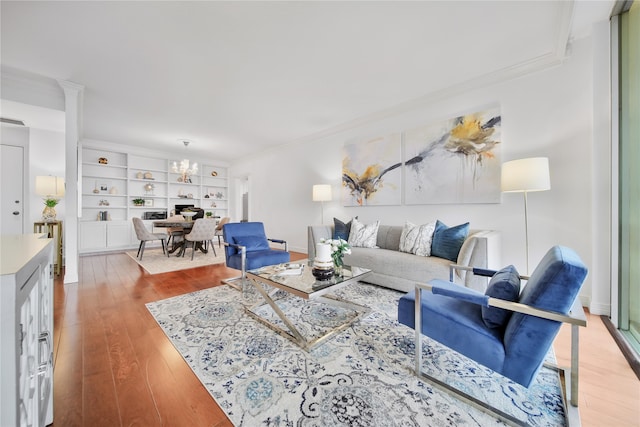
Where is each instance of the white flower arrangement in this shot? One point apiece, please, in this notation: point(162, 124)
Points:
point(339, 247)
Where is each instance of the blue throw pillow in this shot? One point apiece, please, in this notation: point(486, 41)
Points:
point(253, 243)
point(447, 241)
point(505, 284)
point(341, 230)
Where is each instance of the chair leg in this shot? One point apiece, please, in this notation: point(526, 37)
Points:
point(139, 247)
point(164, 250)
point(219, 244)
point(142, 244)
point(193, 250)
point(213, 248)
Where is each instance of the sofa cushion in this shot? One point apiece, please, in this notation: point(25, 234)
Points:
point(447, 241)
point(341, 230)
point(252, 243)
point(416, 239)
point(363, 236)
point(389, 236)
point(505, 285)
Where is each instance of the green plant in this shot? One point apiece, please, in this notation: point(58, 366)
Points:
point(209, 214)
point(51, 202)
point(138, 201)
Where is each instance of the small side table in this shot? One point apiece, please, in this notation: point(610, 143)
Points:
point(53, 229)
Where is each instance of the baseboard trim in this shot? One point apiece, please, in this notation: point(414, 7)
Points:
point(625, 348)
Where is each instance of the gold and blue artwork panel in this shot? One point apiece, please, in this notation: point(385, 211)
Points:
point(371, 171)
point(454, 161)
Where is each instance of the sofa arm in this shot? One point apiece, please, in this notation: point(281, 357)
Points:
point(480, 250)
point(315, 233)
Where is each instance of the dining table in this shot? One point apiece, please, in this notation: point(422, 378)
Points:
point(180, 246)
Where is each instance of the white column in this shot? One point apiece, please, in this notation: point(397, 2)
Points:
point(73, 95)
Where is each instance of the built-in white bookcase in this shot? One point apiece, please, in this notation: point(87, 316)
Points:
point(112, 179)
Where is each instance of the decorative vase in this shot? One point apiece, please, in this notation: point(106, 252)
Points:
point(49, 214)
point(338, 263)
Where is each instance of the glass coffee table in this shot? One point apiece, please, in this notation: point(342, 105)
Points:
point(303, 285)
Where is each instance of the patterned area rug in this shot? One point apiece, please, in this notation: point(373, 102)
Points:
point(155, 262)
point(361, 377)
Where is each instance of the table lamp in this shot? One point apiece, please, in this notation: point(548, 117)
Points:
point(52, 189)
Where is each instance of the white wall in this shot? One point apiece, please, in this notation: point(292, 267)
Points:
point(548, 113)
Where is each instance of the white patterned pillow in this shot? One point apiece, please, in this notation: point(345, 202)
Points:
point(363, 236)
point(416, 239)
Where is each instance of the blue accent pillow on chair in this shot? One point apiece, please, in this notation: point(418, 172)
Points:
point(447, 241)
point(505, 284)
point(341, 230)
point(253, 243)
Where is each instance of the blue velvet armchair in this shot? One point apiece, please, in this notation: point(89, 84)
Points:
point(503, 329)
point(247, 247)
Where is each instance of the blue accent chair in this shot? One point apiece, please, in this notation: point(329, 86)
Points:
point(458, 318)
point(246, 247)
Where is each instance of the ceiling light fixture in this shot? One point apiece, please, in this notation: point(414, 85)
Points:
point(184, 170)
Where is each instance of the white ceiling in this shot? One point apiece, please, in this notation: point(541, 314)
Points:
point(236, 77)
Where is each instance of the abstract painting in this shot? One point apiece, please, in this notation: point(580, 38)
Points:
point(371, 173)
point(455, 161)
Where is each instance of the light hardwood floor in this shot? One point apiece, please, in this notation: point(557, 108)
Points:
point(114, 366)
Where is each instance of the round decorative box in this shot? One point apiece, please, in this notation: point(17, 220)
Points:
point(322, 274)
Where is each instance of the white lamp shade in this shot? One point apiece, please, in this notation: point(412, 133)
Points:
point(50, 186)
point(526, 175)
point(321, 193)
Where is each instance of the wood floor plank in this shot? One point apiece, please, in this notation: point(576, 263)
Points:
point(115, 366)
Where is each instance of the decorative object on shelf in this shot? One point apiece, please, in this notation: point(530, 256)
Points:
point(113, 190)
point(104, 187)
point(206, 196)
point(321, 193)
point(148, 188)
point(188, 215)
point(103, 203)
point(184, 169)
point(219, 195)
point(148, 202)
point(103, 160)
point(148, 175)
point(96, 190)
point(139, 175)
point(138, 202)
point(338, 249)
point(213, 205)
point(523, 176)
point(208, 214)
point(52, 188)
point(214, 173)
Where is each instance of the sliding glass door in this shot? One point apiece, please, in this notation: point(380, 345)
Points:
point(629, 183)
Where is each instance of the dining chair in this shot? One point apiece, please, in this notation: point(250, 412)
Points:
point(145, 236)
point(204, 230)
point(222, 222)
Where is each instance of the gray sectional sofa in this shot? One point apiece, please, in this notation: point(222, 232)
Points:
point(399, 270)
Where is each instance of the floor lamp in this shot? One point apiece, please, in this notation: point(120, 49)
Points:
point(525, 176)
point(322, 193)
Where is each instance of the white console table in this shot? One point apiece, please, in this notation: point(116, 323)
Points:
point(26, 330)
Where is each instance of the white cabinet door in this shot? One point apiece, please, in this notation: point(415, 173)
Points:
point(118, 234)
point(93, 235)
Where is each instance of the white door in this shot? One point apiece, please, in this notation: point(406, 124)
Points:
point(11, 184)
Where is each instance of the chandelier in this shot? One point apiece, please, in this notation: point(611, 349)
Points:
point(184, 168)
